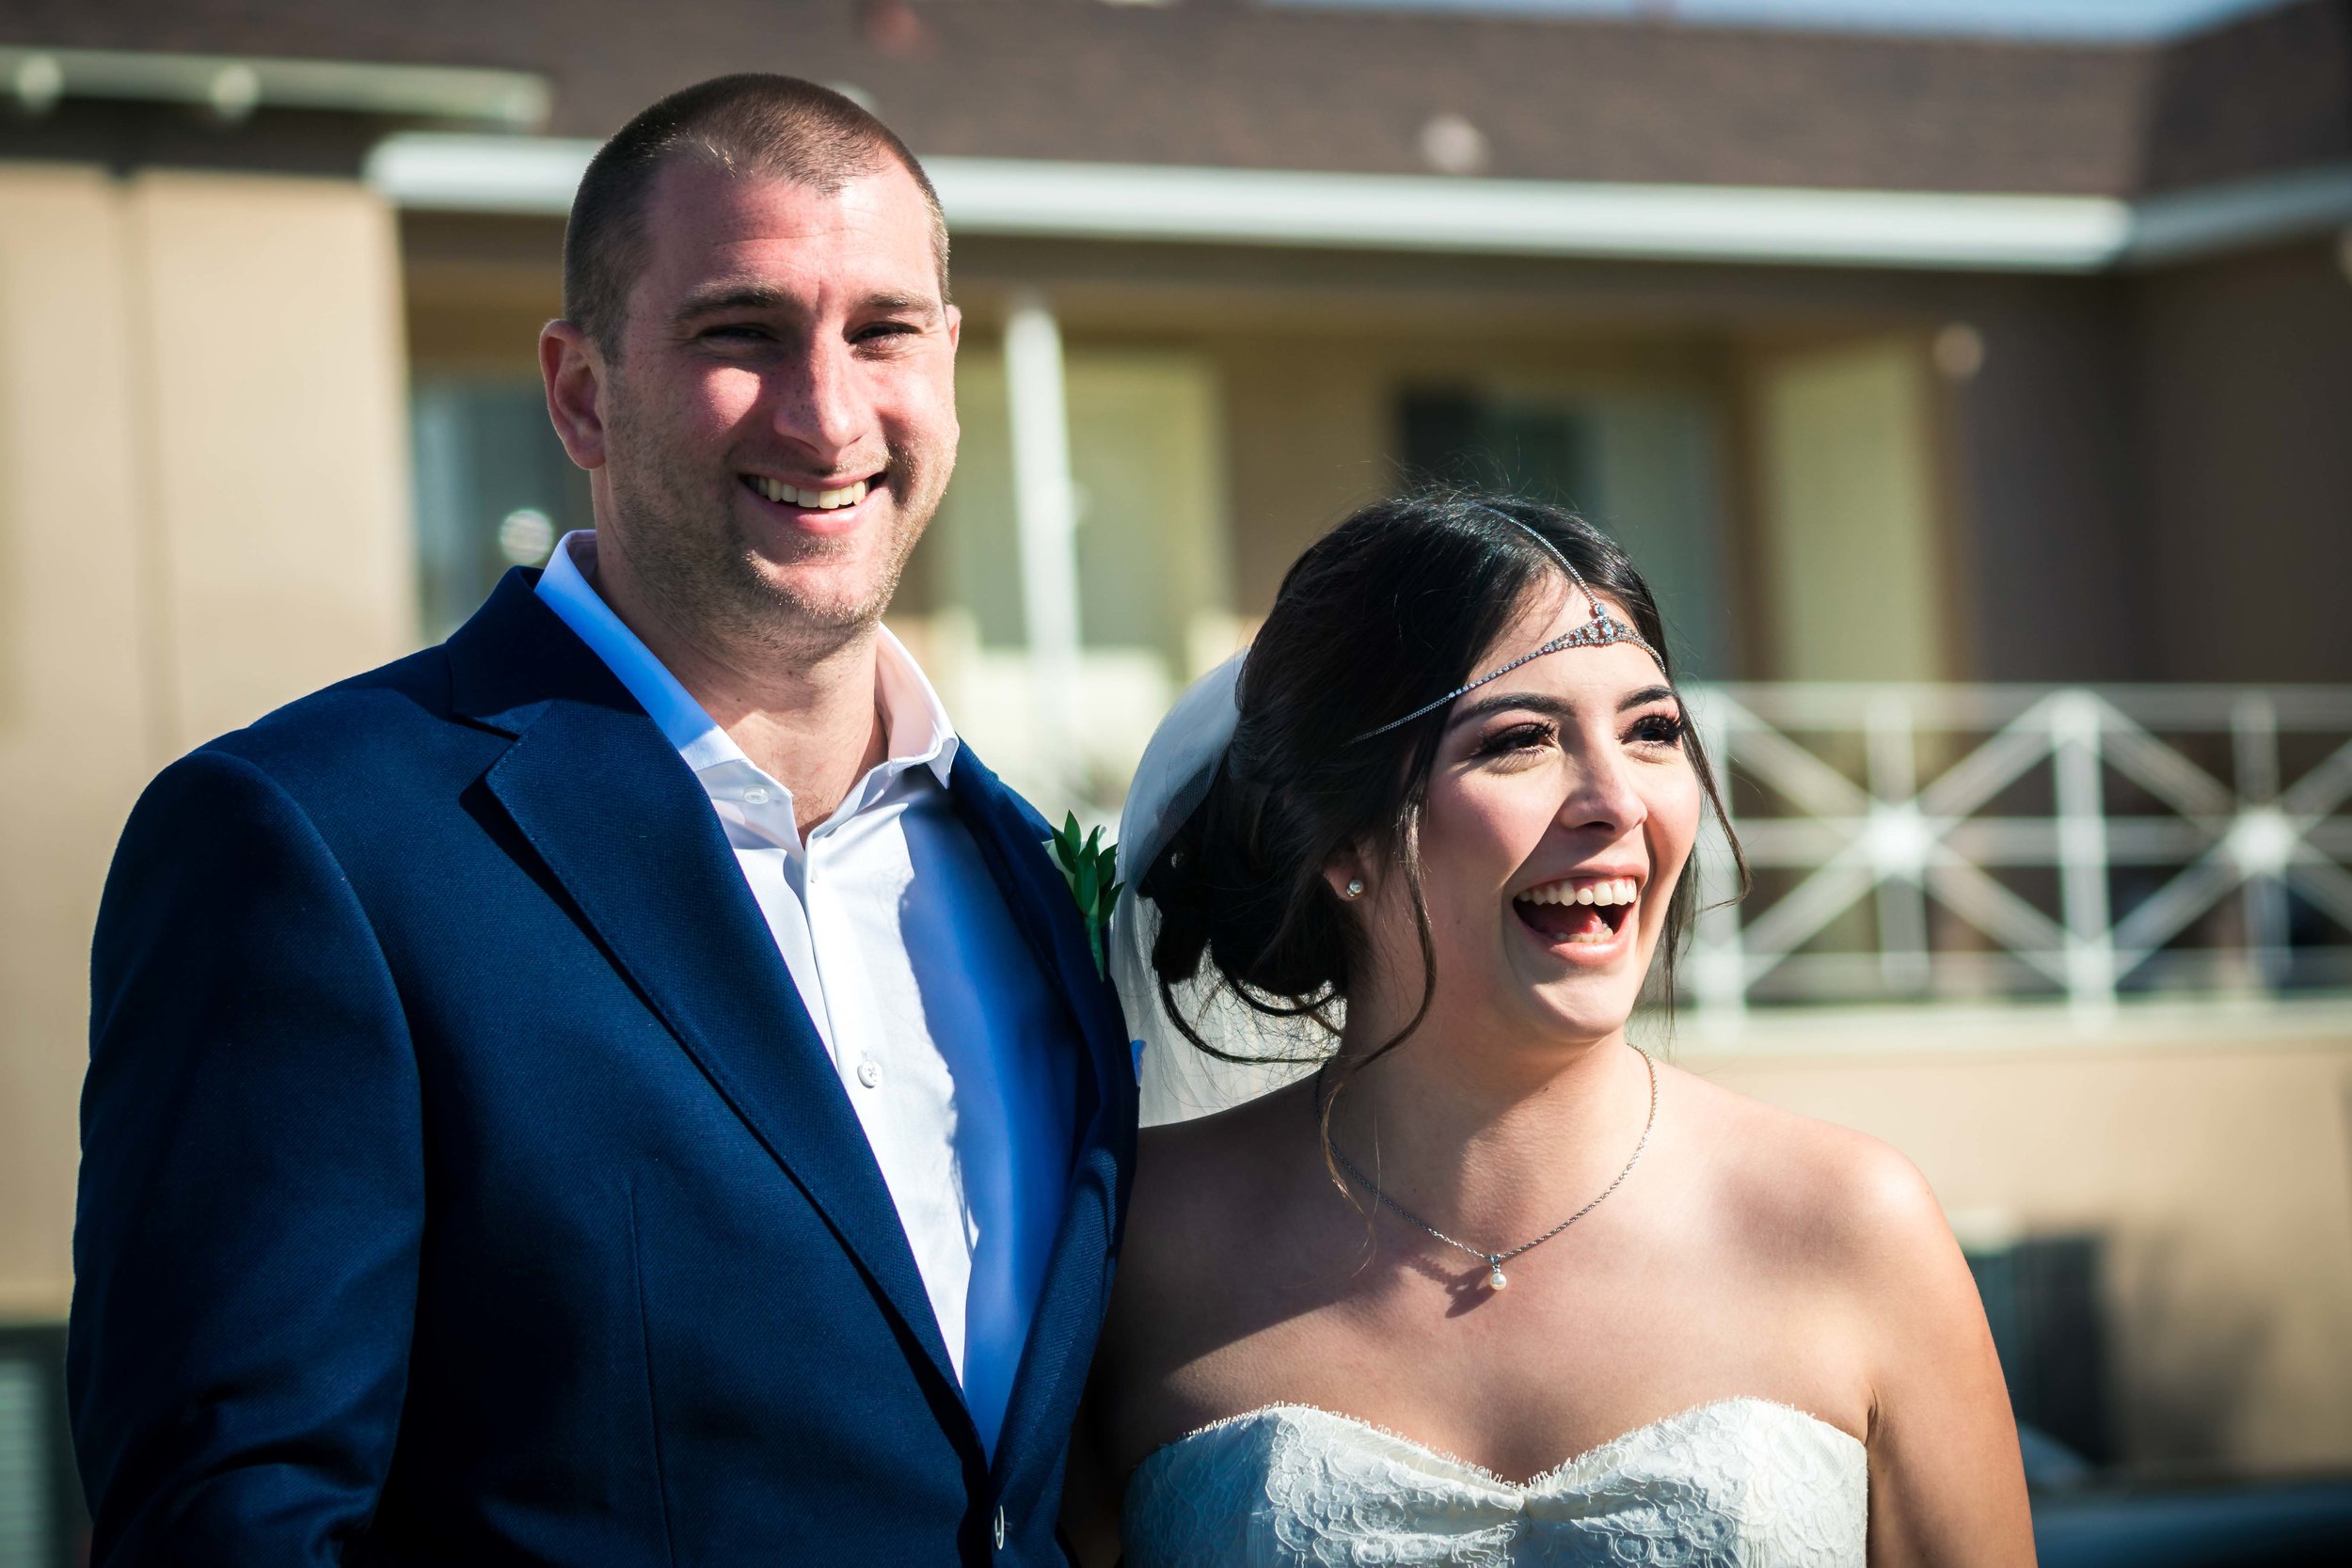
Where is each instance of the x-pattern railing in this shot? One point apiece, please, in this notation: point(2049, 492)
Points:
point(1905, 798)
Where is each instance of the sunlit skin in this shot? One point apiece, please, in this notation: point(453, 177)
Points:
point(1753, 1252)
point(777, 332)
point(1572, 771)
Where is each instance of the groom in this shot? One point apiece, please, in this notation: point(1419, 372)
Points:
point(626, 1085)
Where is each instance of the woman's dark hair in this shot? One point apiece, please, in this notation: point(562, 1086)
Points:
point(1382, 615)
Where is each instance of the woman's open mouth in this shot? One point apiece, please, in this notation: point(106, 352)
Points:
point(1579, 912)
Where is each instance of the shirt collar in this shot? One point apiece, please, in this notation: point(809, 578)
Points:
point(916, 731)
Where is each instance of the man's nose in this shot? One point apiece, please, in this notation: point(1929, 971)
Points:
point(820, 403)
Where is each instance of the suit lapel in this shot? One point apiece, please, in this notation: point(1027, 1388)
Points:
point(1012, 839)
point(621, 823)
point(1071, 1301)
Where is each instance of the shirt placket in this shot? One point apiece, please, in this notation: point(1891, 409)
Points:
point(857, 1054)
point(768, 845)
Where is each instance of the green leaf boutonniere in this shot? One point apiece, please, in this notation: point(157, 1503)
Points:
point(1091, 869)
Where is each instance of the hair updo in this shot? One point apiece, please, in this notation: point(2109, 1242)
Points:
point(1382, 615)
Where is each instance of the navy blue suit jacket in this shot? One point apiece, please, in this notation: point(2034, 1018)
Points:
point(463, 1180)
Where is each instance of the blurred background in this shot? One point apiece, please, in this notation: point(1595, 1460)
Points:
point(1972, 377)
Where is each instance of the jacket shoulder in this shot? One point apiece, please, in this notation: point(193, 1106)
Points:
point(978, 773)
point(387, 719)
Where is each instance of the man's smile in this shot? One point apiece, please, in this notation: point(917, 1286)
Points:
point(820, 508)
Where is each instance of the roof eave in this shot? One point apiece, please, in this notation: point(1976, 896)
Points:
point(1752, 225)
point(234, 85)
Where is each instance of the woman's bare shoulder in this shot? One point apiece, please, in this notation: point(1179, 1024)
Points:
point(1203, 1183)
point(1831, 1196)
point(1195, 1171)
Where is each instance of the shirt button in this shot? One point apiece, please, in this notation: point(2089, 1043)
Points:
point(868, 1074)
point(755, 796)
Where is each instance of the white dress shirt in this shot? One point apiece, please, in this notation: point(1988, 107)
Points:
point(897, 938)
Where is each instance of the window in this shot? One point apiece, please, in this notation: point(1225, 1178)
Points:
point(494, 490)
point(41, 1521)
point(1640, 462)
point(2042, 1302)
point(1154, 582)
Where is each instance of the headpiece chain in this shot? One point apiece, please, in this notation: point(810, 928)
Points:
point(1600, 631)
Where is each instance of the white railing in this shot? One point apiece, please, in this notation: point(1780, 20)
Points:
point(1946, 842)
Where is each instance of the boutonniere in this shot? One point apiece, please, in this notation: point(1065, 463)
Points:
point(1091, 869)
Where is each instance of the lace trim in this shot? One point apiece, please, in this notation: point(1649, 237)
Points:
point(1531, 1482)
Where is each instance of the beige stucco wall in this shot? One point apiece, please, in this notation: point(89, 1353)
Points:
point(75, 716)
point(281, 437)
point(2211, 1147)
point(204, 513)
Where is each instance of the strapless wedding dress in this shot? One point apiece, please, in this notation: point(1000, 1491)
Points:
point(1737, 1484)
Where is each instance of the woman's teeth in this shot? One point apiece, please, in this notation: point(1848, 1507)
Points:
point(1609, 889)
point(823, 501)
point(1591, 912)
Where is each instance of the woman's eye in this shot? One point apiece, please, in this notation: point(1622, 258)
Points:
point(1658, 729)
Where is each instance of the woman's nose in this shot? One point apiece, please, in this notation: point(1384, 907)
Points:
point(1602, 794)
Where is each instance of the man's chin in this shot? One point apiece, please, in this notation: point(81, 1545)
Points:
point(804, 602)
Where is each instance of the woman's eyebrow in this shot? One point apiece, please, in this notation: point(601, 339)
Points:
point(1551, 707)
point(1647, 696)
point(1534, 702)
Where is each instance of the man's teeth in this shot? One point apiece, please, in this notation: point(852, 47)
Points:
point(824, 501)
point(1610, 890)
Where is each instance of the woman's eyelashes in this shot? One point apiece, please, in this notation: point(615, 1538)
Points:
point(1656, 729)
point(1516, 739)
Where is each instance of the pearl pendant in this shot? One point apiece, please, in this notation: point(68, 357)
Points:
point(1495, 1280)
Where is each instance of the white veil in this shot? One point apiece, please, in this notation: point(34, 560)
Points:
point(1179, 1080)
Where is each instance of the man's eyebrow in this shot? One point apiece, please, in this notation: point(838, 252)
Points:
point(734, 296)
point(717, 297)
point(1551, 707)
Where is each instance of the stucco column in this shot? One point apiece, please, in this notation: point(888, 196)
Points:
point(1045, 516)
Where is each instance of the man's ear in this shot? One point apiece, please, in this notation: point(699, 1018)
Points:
point(574, 371)
point(955, 327)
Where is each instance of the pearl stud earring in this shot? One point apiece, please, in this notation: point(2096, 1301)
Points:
point(1355, 887)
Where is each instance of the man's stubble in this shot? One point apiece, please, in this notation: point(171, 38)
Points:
point(689, 554)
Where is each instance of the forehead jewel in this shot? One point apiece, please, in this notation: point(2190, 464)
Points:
point(1598, 630)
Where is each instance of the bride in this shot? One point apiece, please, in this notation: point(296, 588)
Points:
point(1492, 1285)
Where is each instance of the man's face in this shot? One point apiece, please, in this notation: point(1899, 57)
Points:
point(782, 420)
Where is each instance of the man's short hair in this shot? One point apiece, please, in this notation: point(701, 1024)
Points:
point(779, 127)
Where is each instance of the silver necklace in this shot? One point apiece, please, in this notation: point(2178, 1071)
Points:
point(1495, 1279)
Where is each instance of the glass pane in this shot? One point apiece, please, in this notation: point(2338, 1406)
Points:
point(1850, 499)
point(1542, 451)
point(1641, 464)
point(1155, 580)
point(494, 490)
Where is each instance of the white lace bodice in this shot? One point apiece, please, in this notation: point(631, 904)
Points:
point(1737, 1484)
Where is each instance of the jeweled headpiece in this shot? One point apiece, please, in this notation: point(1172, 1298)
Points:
point(1600, 631)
